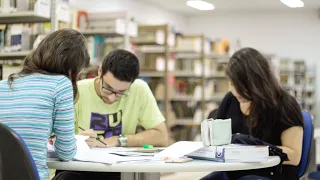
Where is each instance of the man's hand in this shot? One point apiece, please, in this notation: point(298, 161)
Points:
point(112, 141)
point(92, 140)
point(52, 139)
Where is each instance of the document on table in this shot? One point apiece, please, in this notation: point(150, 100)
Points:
point(130, 151)
point(84, 153)
point(79, 142)
point(179, 149)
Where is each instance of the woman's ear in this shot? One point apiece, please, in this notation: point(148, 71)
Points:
point(100, 71)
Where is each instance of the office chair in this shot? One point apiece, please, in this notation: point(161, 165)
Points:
point(306, 144)
point(16, 162)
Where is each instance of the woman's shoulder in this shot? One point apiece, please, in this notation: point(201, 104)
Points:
point(49, 77)
point(43, 80)
point(229, 104)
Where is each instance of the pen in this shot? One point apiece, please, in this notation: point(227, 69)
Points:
point(96, 138)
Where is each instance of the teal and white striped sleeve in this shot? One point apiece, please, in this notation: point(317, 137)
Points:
point(63, 121)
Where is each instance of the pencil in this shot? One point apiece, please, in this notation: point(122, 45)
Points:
point(96, 138)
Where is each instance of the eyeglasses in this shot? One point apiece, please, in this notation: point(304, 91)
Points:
point(109, 91)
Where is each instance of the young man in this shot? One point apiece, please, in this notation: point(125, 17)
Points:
point(113, 104)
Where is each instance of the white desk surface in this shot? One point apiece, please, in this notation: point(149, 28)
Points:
point(193, 166)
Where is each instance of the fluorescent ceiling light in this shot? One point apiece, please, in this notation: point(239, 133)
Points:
point(200, 5)
point(293, 3)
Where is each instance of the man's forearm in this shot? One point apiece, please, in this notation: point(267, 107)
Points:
point(151, 136)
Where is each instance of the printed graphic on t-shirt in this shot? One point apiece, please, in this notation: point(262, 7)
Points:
point(110, 123)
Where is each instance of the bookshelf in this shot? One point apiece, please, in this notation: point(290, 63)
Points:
point(22, 17)
point(14, 55)
point(187, 64)
point(101, 33)
point(105, 31)
point(152, 48)
point(299, 80)
point(196, 50)
point(23, 27)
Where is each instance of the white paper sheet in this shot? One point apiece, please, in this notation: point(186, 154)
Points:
point(80, 145)
point(84, 153)
point(106, 158)
point(179, 149)
point(102, 155)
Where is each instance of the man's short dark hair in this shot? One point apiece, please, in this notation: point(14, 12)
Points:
point(122, 64)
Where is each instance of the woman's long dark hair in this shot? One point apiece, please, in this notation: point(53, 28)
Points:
point(62, 52)
point(254, 80)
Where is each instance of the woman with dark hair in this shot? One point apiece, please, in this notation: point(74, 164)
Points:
point(258, 106)
point(39, 99)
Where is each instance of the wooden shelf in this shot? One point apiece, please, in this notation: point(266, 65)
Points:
point(188, 55)
point(22, 17)
point(191, 74)
point(143, 42)
point(215, 97)
point(186, 122)
point(218, 75)
point(151, 74)
point(184, 74)
point(159, 49)
point(101, 33)
point(181, 74)
point(218, 56)
point(14, 55)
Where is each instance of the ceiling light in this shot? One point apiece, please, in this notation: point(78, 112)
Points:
point(200, 5)
point(293, 3)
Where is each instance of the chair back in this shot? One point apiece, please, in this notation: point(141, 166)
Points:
point(16, 162)
point(307, 143)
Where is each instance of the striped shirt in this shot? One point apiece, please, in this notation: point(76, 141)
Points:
point(35, 106)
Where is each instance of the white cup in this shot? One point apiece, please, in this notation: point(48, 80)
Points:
point(216, 132)
point(220, 132)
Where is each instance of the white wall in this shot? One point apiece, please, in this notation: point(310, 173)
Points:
point(294, 34)
point(144, 13)
point(287, 34)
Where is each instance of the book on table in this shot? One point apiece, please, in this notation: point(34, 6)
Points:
point(232, 153)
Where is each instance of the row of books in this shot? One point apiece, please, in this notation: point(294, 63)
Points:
point(156, 35)
point(7, 69)
point(186, 87)
point(22, 37)
point(8, 6)
point(156, 62)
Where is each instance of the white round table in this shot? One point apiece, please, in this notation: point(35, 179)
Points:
point(156, 168)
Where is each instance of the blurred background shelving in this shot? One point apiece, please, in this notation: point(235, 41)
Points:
point(184, 71)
